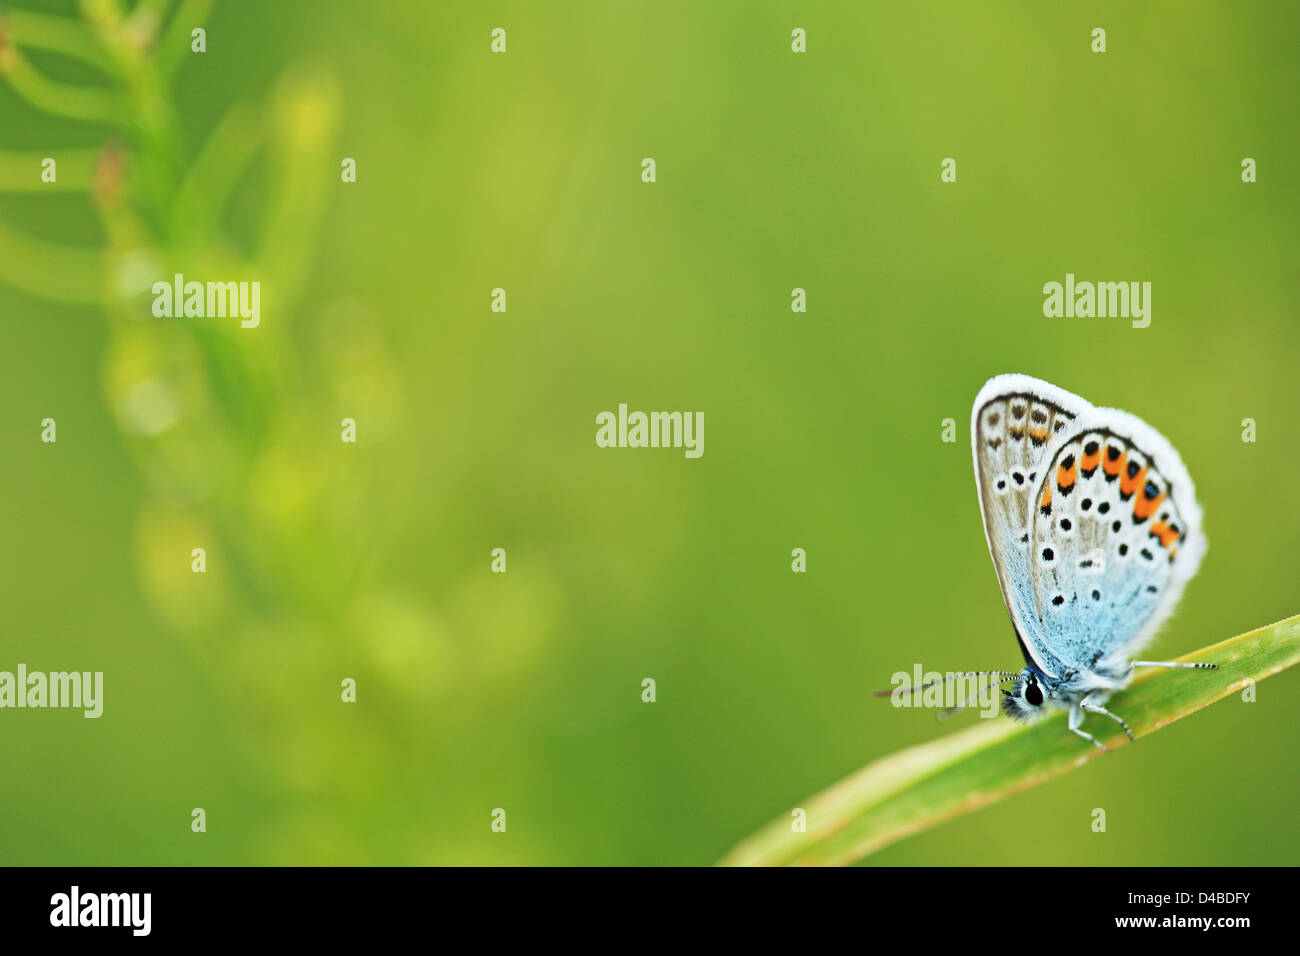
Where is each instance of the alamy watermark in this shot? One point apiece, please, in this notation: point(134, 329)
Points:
point(208, 300)
point(944, 691)
point(1085, 300)
point(652, 430)
point(39, 689)
point(75, 908)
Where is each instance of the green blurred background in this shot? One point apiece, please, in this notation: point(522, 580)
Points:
point(476, 429)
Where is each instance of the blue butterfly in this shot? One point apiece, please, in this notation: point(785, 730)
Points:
point(1094, 530)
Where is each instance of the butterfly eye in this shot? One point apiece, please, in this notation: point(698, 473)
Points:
point(1033, 694)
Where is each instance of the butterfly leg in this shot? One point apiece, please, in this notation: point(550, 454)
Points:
point(1092, 708)
point(1076, 720)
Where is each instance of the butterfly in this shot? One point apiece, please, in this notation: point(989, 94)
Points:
point(1094, 529)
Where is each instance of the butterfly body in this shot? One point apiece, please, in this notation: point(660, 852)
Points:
point(1094, 529)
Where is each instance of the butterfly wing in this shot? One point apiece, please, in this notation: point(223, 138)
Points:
point(1015, 423)
point(1115, 536)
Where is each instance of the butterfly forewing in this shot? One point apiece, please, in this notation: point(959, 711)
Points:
point(1016, 423)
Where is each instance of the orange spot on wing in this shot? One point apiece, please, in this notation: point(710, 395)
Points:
point(1090, 462)
point(1065, 476)
point(1145, 507)
point(1047, 498)
point(1127, 485)
point(1113, 467)
point(1166, 534)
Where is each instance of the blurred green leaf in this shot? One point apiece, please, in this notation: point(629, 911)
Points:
point(53, 34)
point(88, 104)
point(48, 270)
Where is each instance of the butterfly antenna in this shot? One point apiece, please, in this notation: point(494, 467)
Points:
point(947, 712)
point(1009, 675)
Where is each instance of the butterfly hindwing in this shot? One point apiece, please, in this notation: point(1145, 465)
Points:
point(1115, 535)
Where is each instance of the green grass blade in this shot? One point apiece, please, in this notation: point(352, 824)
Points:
point(921, 786)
